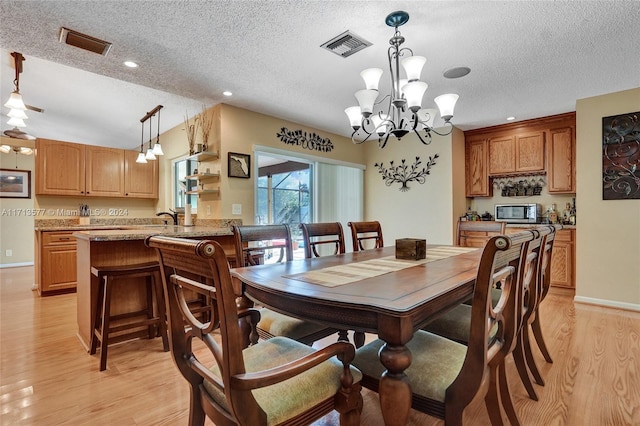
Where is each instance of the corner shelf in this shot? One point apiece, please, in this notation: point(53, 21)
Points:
point(203, 176)
point(205, 156)
point(204, 191)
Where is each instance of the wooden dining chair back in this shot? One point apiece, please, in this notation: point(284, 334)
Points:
point(276, 382)
point(364, 231)
point(252, 244)
point(544, 277)
point(534, 293)
point(322, 235)
point(255, 242)
point(477, 233)
point(465, 371)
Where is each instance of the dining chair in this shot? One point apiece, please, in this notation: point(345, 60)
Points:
point(363, 231)
point(317, 236)
point(476, 233)
point(444, 375)
point(279, 381)
point(252, 244)
point(534, 294)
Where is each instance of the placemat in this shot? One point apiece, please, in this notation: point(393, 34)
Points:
point(335, 276)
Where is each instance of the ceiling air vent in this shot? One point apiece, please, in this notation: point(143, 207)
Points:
point(346, 44)
point(83, 41)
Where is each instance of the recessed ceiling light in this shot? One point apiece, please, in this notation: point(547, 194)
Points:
point(227, 93)
point(511, 118)
point(456, 72)
point(131, 64)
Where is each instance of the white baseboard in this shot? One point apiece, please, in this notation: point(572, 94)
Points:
point(607, 303)
point(15, 265)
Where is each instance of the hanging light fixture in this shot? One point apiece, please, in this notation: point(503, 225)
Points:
point(157, 148)
point(141, 157)
point(15, 102)
point(150, 155)
point(404, 112)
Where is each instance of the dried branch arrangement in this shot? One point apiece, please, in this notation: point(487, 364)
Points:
point(206, 123)
point(191, 132)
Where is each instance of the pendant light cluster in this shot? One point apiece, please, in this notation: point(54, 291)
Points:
point(17, 107)
point(404, 112)
point(156, 149)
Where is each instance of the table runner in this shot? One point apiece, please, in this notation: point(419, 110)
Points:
point(335, 276)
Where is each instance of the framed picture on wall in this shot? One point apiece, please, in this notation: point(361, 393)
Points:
point(15, 183)
point(239, 165)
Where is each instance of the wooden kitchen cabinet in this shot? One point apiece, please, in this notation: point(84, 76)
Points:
point(476, 173)
point(502, 155)
point(516, 153)
point(561, 153)
point(64, 168)
point(563, 259)
point(140, 179)
point(56, 256)
point(59, 168)
point(104, 171)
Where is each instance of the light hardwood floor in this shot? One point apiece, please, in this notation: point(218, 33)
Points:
point(46, 377)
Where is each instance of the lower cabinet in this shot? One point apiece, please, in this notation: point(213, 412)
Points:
point(56, 270)
point(562, 257)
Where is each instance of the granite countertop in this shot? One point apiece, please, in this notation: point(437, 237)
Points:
point(529, 226)
point(140, 232)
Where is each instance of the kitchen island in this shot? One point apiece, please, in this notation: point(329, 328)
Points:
point(113, 247)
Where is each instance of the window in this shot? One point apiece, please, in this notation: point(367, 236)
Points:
point(183, 167)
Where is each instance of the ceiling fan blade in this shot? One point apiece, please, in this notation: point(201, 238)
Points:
point(33, 108)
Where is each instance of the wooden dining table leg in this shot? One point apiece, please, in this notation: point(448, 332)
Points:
point(394, 389)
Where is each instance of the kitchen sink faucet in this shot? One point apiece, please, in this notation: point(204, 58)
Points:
point(172, 213)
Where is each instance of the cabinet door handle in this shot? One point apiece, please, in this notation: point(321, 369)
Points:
point(64, 238)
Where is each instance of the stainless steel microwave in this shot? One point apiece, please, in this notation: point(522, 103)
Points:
point(519, 213)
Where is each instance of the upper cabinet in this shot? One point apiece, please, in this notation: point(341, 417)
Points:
point(59, 168)
point(476, 159)
point(140, 179)
point(545, 145)
point(64, 168)
point(561, 153)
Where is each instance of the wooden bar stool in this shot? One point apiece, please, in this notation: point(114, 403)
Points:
point(155, 324)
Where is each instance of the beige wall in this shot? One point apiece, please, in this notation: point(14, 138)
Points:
point(241, 130)
point(425, 210)
point(608, 232)
point(16, 214)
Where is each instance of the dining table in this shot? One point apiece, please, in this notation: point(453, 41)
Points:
point(370, 291)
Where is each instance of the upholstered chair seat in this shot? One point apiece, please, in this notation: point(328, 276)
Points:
point(429, 376)
point(275, 324)
point(294, 396)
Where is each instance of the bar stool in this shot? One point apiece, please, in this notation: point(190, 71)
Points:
point(107, 276)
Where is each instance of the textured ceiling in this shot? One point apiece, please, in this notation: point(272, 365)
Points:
point(527, 59)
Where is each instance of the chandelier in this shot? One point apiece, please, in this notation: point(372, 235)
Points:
point(404, 112)
point(156, 150)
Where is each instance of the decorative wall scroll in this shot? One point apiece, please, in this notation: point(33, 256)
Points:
point(403, 173)
point(621, 157)
point(312, 141)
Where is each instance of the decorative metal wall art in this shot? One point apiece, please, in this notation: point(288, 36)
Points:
point(403, 173)
point(621, 157)
point(312, 141)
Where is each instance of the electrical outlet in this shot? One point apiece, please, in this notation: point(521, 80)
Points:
point(208, 210)
point(8, 253)
point(236, 209)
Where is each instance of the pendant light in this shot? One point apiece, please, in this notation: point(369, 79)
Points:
point(157, 148)
point(150, 155)
point(141, 157)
